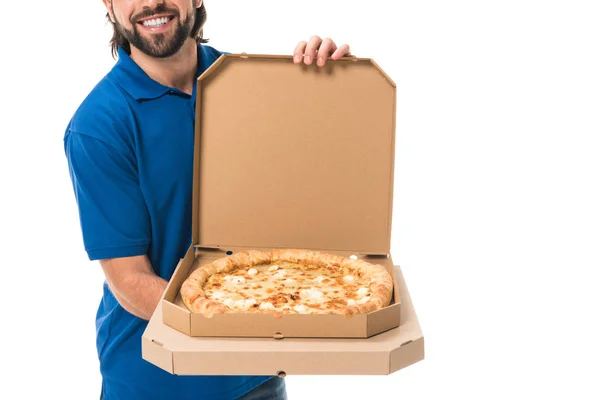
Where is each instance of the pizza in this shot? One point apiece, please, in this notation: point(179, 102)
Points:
point(287, 281)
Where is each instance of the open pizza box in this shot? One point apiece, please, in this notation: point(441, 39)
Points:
point(289, 156)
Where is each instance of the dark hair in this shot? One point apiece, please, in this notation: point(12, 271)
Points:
point(119, 41)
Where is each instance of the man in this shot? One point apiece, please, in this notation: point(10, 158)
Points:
point(129, 148)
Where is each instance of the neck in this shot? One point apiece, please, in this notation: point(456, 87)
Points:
point(177, 71)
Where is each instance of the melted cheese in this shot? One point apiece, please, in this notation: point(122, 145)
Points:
point(266, 306)
point(288, 286)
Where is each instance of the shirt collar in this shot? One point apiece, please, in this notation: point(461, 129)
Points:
point(138, 84)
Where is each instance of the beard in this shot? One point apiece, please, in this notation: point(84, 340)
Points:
point(159, 45)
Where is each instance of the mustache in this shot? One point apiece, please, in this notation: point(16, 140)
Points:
point(159, 9)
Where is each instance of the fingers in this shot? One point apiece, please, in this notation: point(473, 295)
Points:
point(343, 50)
point(327, 47)
point(311, 49)
point(299, 52)
point(319, 49)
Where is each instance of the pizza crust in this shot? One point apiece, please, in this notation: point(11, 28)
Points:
point(340, 271)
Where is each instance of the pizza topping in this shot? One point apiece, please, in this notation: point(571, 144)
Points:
point(228, 302)
point(266, 306)
point(279, 274)
point(312, 293)
point(301, 308)
point(250, 303)
point(305, 288)
point(240, 303)
point(278, 299)
point(235, 279)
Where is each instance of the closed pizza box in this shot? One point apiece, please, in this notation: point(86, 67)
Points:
point(289, 156)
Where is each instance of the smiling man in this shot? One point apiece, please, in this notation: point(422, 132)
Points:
point(129, 148)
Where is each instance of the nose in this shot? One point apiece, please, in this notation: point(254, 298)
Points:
point(151, 4)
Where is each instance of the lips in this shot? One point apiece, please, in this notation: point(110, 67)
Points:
point(156, 21)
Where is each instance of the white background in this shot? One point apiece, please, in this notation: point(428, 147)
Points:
point(497, 193)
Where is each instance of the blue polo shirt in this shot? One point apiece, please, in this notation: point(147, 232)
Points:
point(129, 148)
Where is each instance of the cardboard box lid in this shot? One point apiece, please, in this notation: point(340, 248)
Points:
point(294, 156)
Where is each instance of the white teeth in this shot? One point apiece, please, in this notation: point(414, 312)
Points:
point(156, 22)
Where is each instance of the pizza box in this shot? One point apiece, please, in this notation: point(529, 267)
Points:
point(290, 156)
point(176, 314)
point(383, 354)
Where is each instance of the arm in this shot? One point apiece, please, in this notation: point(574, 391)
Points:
point(114, 219)
point(134, 284)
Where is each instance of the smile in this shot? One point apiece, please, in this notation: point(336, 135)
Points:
point(156, 22)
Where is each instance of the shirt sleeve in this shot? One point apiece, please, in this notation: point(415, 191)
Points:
point(112, 211)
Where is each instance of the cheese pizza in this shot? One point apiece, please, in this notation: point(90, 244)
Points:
point(287, 281)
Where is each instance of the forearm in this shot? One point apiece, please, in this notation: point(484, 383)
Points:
point(134, 284)
point(140, 293)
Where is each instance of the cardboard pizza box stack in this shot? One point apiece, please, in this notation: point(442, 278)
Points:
point(289, 156)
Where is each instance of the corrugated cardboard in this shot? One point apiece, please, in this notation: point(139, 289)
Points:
point(294, 156)
point(382, 354)
point(176, 314)
point(290, 156)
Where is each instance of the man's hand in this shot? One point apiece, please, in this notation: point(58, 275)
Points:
point(319, 49)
